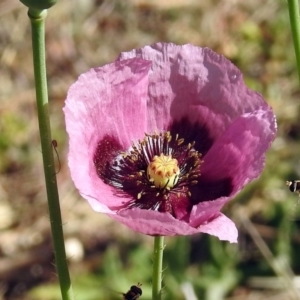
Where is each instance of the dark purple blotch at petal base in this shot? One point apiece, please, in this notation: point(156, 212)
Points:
point(192, 132)
point(206, 189)
point(211, 190)
point(107, 150)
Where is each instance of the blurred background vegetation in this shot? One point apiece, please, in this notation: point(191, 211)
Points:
point(105, 257)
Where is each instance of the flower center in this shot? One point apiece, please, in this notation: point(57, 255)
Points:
point(160, 172)
point(163, 171)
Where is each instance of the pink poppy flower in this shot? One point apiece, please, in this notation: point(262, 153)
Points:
point(163, 137)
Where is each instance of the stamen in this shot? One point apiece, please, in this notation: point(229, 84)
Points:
point(180, 141)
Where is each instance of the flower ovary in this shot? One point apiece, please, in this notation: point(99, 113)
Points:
point(163, 171)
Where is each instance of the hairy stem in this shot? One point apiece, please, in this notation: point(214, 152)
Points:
point(37, 19)
point(157, 267)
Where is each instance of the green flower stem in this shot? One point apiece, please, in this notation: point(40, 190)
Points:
point(157, 267)
point(37, 19)
point(295, 27)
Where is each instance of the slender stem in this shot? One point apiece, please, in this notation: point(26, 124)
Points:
point(295, 27)
point(37, 19)
point(157, 267)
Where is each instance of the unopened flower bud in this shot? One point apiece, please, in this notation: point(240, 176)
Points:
point(39, 4)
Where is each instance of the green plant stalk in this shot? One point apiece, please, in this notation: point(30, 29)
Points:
point(157, 267)
point(295, 27)
point(37, 19)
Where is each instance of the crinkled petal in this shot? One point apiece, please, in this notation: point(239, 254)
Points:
point(205, 210)
point(238, 156)
point(111, 100)
point(186, 80)
point(239, 153)
point(155, 223)
point(221, 227)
